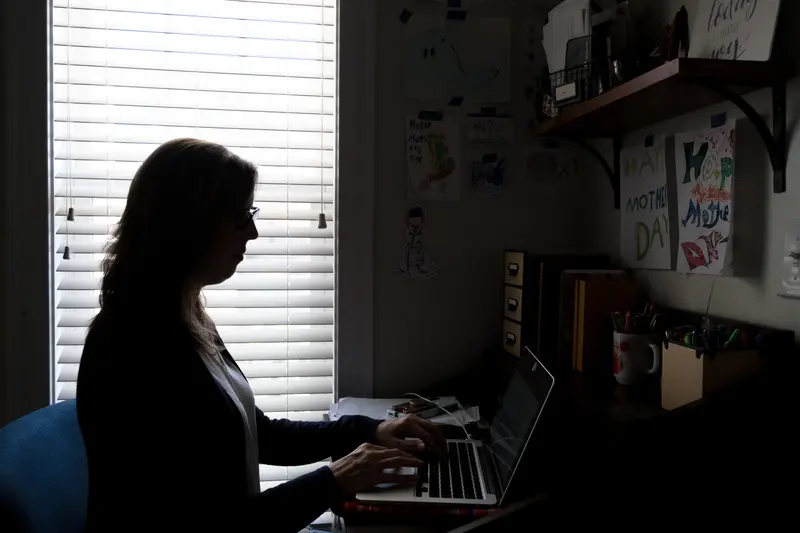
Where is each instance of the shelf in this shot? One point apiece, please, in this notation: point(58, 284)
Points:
point(665, 92)
point(673, 89)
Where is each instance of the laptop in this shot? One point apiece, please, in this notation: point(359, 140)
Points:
point(475, 472)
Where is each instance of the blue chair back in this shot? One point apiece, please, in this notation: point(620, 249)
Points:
point(44, 479)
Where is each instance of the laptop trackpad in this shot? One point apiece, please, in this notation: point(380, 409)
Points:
point(402, 471)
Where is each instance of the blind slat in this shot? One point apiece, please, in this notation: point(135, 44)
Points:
point(198, 64)
point(298, 402)
point(124, 171)
point(289, 264)
point(209, 118)
point(303, 377)
point(279, 300)
point(240, 282)
point(234, 334)
point(113, 39)
point(190, 25)
point(119, 189)
point(268, 99)
point(304, 11)
point(87, 84)
point(104, 151)
point(81, 316)
point(258, 247)
point(283, 352)
point(125, 133)
point(282, 403)
point(266, 228)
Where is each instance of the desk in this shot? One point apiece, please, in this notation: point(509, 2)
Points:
point(601, 447)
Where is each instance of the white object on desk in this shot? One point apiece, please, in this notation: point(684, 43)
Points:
point(377, 408)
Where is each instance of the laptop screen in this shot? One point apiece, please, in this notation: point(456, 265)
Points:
point(516, 418)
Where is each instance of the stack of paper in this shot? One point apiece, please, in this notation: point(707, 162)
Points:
point(568, 20)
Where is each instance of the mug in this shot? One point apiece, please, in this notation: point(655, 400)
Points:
point(635, 356)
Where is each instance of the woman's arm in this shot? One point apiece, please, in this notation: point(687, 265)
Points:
point(288, 443)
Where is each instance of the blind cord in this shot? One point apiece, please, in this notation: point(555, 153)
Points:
point(70, 211)
point(322, 223)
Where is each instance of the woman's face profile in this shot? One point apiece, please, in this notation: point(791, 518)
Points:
point(227, 244)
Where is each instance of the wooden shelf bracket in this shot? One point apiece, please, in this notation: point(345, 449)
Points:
point(613, 172)
point(775, 140)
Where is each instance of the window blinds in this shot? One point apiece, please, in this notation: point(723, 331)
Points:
point(255, 76)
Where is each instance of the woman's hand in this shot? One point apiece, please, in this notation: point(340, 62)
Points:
point(370, 465)
point(423, 433)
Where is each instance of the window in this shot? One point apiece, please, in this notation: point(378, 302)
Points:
point(255, 76)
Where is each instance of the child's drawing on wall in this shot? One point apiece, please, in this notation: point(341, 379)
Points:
point(415, 263)
point(489, 173)
point(433, 154)
point(791, 260)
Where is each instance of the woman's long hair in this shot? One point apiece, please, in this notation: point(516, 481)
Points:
point(175, 201)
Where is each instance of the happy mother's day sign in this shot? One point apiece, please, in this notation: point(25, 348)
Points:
point(644, 230)
point(734, 29)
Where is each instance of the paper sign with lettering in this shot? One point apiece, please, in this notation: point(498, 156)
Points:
point(705, 176)
point(644, 230)
point(734, 29)
point(490, 129)
point(433, 159)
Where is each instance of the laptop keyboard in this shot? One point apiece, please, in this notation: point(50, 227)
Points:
point(454, 476)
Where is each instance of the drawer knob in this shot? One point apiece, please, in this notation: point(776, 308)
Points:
point(513, 269)
point(511, 339)
point(512, 304)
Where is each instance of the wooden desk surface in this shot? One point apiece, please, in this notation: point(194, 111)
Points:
point(600, 444)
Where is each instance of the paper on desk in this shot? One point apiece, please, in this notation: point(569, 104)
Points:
point(464, 416)
point(374, 407)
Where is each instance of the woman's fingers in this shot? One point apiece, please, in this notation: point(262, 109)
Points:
point(387, 453)
point(429, 433)
point(400, 461)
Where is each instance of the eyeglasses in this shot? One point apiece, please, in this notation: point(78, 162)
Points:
point(244, 219)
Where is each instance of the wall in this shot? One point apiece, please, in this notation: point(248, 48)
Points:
point(3, 357)
point(427, 330)
point(26, 211)
point(761, 217)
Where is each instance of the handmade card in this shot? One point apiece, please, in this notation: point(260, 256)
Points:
point(705, 175)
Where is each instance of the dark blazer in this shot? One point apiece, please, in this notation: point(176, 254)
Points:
point(165, 445)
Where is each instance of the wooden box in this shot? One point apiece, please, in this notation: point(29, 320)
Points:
point(687, 377)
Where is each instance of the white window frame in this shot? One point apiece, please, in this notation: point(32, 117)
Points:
point(26, 317)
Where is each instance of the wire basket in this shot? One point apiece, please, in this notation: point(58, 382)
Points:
point(577, 84)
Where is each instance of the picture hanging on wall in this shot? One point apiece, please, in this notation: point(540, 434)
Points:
point(467, 59)
point(645, 220)
point(705, 177)
point(790, 269)
point(489, 169)
point(433, 158)
point(734, 29)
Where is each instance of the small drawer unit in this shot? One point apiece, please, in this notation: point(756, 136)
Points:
point(512, 337)
point(512, 303)
point(519, 302)
point(518, 269)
